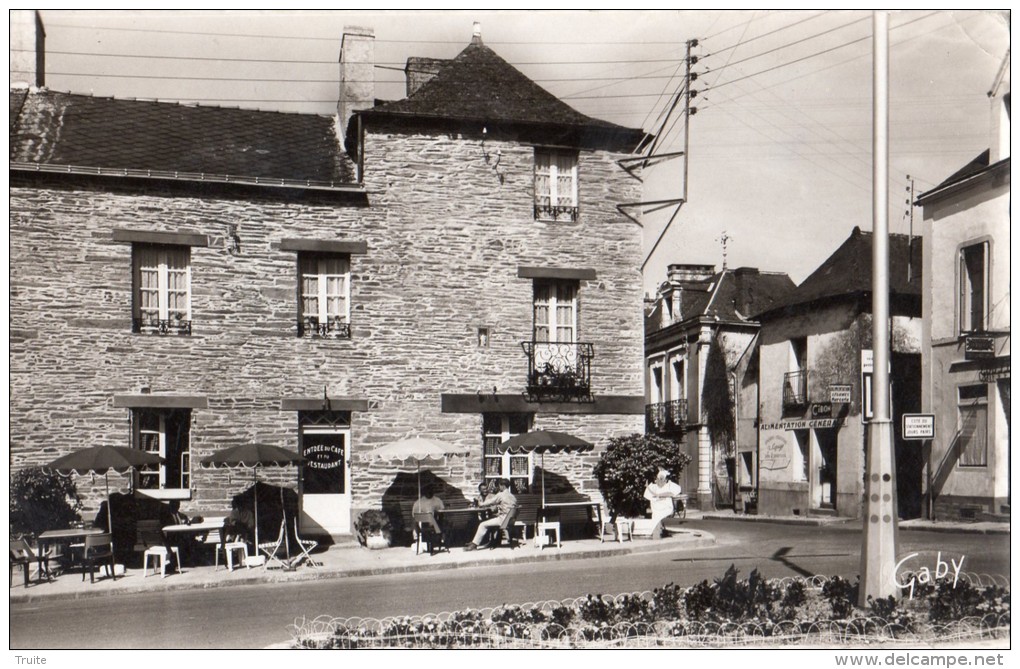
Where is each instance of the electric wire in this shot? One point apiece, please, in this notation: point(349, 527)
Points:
point(771, 32)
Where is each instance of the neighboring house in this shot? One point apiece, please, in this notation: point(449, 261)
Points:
point(452, 265)
point(966, 371)
point(814, 360)
point(696, 314)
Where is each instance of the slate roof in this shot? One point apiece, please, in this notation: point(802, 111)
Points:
point(57, 129)
point(847, 272)
point(478, 85)
point(731, 296)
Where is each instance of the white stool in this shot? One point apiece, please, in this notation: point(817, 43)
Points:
point(229, 548)
point(624, 526)
point(161, 553)
point(541, 538)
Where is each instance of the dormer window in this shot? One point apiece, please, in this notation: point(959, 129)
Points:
point(555, 185)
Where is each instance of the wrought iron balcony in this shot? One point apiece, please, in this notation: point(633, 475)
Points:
point(795, 389)
point(978, 346)
point(158, 326)
point(333, 328)
point(665, 417)
point(548, 212)
point(558, 371)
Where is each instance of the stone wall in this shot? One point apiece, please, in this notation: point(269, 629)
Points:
point(445, 231)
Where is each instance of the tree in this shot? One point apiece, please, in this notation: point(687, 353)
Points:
point(629, 464)
point(42, 501)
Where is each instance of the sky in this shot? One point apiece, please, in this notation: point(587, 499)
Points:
point(779, 151)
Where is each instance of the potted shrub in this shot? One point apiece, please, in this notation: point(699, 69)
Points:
point(374, 529)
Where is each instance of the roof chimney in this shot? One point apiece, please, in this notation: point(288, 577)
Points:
point(476, 35)
point(677, 273)
point(28, 48)
point(419, 71)
point(357, 73)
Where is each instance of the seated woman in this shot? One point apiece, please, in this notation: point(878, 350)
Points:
point(660, 494)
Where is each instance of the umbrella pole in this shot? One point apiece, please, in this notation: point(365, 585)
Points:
point(543, 480)
point(109, 512)
point(255, 495)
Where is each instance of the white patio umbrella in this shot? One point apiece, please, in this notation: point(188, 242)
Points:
point(417, 449)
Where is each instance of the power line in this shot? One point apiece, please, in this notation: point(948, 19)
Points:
point(815, 55)
point(785, 46)
point(307, 38)
point(758, 37)
point(330, 62)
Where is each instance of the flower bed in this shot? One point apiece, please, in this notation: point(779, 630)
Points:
point(727, 612)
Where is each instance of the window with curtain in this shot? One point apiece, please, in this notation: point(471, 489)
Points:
point(973, 409)
point(497, 428)
point(324, 300)
point(555, 185)
point(162, 289)
point(166, 433)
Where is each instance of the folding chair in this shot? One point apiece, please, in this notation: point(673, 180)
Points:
point(305, 545)
point(429, 532)
point(22, 555)
point(273, 550)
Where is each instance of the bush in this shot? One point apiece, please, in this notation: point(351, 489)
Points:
point(629, 464)
point(42, 501)
point(373, 521)
point(730, 599)
point(841, 595)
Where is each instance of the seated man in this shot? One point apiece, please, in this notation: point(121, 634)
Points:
point(430, 504)
point(504, 502)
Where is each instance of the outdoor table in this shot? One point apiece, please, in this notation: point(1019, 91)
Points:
point(67, 536)
point(448, 528)
point(595, 507)
point(199, 530)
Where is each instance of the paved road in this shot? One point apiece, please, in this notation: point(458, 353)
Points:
point(257, 616)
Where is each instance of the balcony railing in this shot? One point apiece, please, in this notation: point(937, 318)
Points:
point(330, 329)
point(795, 388)
point(665, 417)
point(558, 371)
point(157, 326)
point(548, 212)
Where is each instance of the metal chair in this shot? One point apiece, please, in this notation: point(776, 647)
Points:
point(305, 545)
point(22, 556)
point(273, 550)
point(98, 548)
point(429, 532)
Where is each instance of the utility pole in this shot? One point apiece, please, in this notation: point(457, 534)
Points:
point(724, 240)
point(688, 110)
point(878, 550)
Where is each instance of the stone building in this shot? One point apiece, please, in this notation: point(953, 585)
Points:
point(966, 371)
point(698, 313)
point(452, 265)
point(814, 373)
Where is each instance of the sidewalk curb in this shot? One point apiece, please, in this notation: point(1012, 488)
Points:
point(816, 521)
point(700, 539)
point(908, 525)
